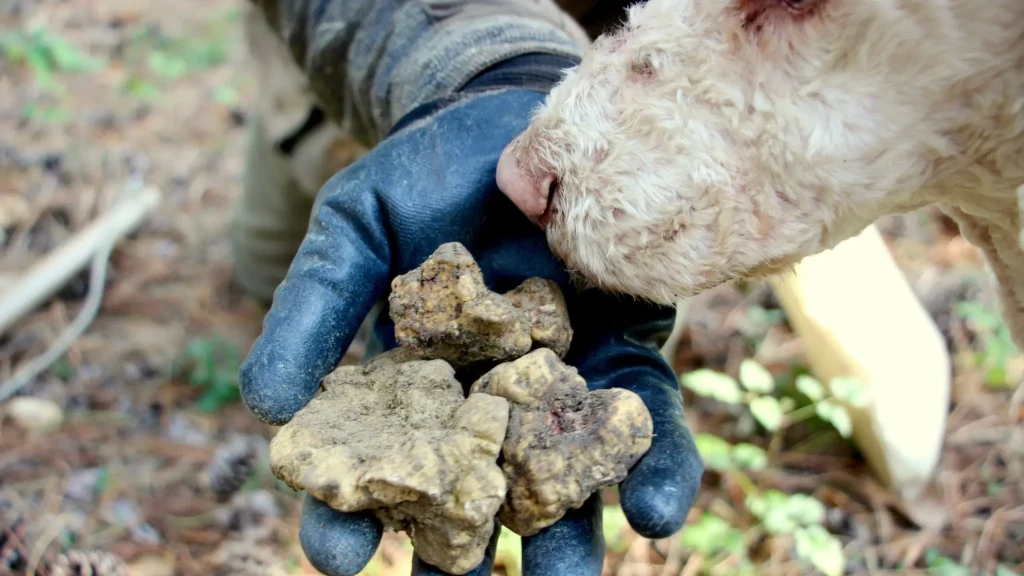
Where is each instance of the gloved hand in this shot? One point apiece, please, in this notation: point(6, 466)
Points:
point(429, 182)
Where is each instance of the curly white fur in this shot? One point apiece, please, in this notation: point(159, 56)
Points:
point(709, 140)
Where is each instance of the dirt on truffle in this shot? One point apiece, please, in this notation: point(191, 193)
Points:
point(564, 442)
point(399, 438)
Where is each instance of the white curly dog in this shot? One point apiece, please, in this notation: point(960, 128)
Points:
point(711, 140)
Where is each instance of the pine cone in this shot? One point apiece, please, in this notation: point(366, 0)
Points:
point(244, 558)
point(232, 466)
point(12, 551)
point(250, 514)
point(88, 563)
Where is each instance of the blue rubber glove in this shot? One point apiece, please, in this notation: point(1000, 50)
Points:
point(431, 181)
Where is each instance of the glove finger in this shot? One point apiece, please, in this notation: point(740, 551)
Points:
point(657, 494)
point(337, 275)
point(337, 543)
point(421, 568)
point(573, 546)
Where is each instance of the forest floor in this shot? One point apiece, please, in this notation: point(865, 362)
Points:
point(99, 95)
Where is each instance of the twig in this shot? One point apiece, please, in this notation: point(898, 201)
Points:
point(693, 565)
point(48, 275)
point(98, 239)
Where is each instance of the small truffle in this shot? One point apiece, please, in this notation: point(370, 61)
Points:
point(400, 438)
point(548, 314)
point(563, 441)
point(444, 310)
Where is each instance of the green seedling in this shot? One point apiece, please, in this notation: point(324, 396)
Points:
point(211, 364)
point(997, 347)
point(46, 54)
point(798, 516)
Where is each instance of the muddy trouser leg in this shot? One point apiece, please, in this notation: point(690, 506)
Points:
point(291, 151)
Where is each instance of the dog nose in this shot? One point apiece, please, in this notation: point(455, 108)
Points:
point(529, 194)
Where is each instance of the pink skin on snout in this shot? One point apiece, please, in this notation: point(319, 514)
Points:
point(528, 193)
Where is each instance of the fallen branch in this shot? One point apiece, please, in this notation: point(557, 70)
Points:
point(95, 241)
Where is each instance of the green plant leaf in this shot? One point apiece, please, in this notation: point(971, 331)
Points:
point(749, 457)
point(199, 349)
point(214, 399)
point(767, 411)
point(716, 452)
point(979, 315)
point(41, 69)
point(510, 552)
point(209, 403)
point(755, 377)
point(713, 384)
point(810, 387)
point(781, 513)
point(167, 65)
point(226, 95)
point(836, 415)
point(62, 370)
point(758, 320)
point(67, 57)
point(614, 526)
point(770, 508)
point(140, 88)
point(850, 390)
point(226, 377)
point(805, 510)
point(711, 535)
point(14, 47)
point(102, 480)
point(787, 404)
point(1004, 571)
point(814, 544)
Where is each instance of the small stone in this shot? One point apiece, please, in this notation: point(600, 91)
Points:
point(35, 415)
point(564, 442)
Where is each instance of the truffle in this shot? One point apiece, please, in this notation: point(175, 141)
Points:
point(444, 310)
point(547, 313)
point(563, 442)
point(400, 438)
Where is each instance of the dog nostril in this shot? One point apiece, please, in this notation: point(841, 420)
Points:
point(549, 208)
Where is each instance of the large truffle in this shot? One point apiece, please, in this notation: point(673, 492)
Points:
point(400, 438)
point(563, 441)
